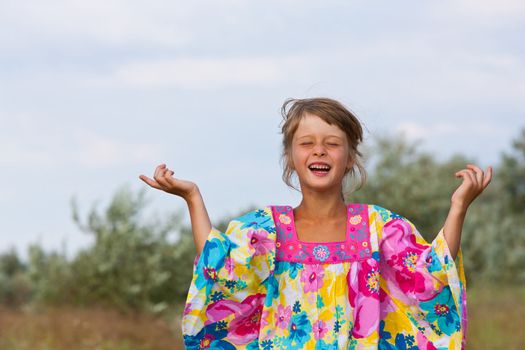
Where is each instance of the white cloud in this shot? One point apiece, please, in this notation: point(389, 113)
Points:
point(97, 151)
point(502, 10)
point(420, 131)
point(427, 73)
point(66, 64)
point(30, 142)
point(438, 130)
point(113, 22)
point(205, 73)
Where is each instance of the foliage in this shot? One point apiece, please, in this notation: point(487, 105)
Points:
point(411, 183)
point(512, 176)
point(146, 265)
point(49, 274)
point(417, 186)
point(15, 287)
point(132, 264)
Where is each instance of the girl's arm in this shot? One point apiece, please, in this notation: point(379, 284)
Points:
point(474, 182)
point(452, 228)
point(200, 220)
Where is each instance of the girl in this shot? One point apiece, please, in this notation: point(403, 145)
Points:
point(326, 274)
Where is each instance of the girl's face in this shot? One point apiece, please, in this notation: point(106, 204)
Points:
point(320, 154)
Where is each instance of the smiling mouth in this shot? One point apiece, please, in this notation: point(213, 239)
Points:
point(320, 169)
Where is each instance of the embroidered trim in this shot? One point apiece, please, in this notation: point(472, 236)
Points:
point(355, 247)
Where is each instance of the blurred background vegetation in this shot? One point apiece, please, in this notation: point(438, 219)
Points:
point(127, 290)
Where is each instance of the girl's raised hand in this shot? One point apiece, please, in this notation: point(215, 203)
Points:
point(474, 182)
point(163, 180)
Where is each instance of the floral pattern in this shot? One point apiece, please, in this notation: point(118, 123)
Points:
point(384, 287)
point(260, 241)
point(442, 310)
point(321, 252)
point(312, 278)
point(283, 316)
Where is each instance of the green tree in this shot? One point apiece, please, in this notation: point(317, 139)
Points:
point(15, 287)
point(49, 274)
point(512, 176)
point(410, 182)
point(415, 185)
point(132, 264)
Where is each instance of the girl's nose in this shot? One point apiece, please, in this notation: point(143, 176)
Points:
point(319, 150)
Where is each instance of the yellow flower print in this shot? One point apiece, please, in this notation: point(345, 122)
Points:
point(285, 219)
point(356, 219)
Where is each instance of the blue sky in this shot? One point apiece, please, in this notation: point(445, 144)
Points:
point(92, 94)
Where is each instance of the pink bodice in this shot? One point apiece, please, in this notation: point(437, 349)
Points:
point(356, 246)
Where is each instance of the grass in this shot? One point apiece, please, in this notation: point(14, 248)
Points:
point(78, 329)
point(496, 317)
point(496, 321)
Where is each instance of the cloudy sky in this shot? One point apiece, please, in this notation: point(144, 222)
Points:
point(94, 93)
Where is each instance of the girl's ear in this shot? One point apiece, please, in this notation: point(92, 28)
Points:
point(349, 163)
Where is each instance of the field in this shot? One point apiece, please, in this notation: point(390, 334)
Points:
point(82, 329)
point(496, 321)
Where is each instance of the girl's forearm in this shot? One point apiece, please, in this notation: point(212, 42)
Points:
point(452, 228)
point(200, 220)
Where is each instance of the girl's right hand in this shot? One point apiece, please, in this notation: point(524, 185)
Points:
point(163, 180)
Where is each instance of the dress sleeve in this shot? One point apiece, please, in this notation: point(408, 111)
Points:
point(229, 284)
point(423, 288)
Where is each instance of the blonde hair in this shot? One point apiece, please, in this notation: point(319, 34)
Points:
point(332, 112)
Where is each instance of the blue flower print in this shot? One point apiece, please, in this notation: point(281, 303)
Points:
point(297, 307)
point(382, 212)
point(405, 342)
point(259, 213)
point(272, 287)
point(256, 219)
point(291, 267)
point(267, 345)
point(217, 295)
point(383, 338)
point(300, 331)
point(442, 309)
point(395, 215)
point(211, 260)
point(209, 338)
point(432, 261)
point(321, 252)
point(321, 345)
point(254, 345)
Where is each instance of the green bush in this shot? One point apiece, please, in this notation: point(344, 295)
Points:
point(135, 264)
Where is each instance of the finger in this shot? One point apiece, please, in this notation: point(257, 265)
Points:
point(158, 169)
point(167, 174)
point(487, 178)
point(467, 175)
point(150, 182)
point(161, 179)
point(478, 173)
point(461, 173)
point(158, 173)
point(171, 181)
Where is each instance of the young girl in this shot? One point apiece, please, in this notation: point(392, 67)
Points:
point(326, 274)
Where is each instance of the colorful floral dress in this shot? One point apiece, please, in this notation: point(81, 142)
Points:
point(256, 286)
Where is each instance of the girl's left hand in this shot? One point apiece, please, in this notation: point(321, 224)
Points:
point(474, 182)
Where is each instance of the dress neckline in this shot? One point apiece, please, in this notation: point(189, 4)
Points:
point(355, 247)
point(296, 238)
